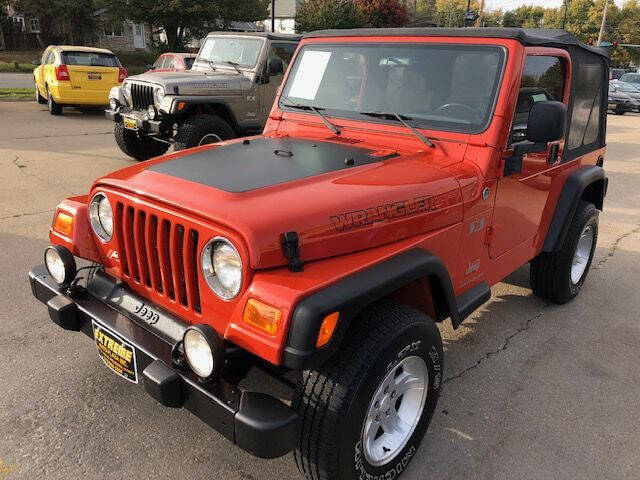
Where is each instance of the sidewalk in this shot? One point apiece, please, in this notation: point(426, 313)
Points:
point(16, 80)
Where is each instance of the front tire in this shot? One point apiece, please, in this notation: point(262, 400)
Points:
point(140, 148)
point(364, 413)
point(54, 107)
point(559, 276)
point(202, 129)
point(39, 98)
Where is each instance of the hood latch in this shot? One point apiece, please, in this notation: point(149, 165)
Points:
point(291, 250)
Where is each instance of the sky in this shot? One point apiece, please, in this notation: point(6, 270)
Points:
point(511, 4)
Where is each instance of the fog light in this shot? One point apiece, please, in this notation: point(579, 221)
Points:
point(60, 264)
point(204, 351)
point(151, 112)
point(113, 103)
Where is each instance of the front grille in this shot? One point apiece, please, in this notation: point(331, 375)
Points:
point(141, 95)
point(158, 253)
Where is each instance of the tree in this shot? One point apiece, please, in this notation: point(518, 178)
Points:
point(383, 13)
point(183, 20)
point(76, 26)
point(322, 14)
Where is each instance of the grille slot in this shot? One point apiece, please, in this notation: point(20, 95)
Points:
point(141, 95)
point(158, 254)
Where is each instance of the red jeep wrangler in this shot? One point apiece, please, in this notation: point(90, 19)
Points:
point(400, 175)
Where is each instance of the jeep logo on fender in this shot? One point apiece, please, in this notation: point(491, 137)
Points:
point(389, 211)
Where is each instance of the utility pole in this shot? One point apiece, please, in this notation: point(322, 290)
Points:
point(273, 15)
point(564, 19)
point(480, 14)
point(604, 21)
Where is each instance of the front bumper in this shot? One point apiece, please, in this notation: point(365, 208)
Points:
point(258, 423)
point(140, 117)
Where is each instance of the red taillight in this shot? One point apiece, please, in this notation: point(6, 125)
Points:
point(122, 75)
point(62, 73)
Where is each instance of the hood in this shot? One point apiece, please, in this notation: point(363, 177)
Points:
point(339, 198)
point(194, 82)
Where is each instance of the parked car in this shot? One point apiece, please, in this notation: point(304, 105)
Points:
point(630, 77)
point(620, 102)
point(384, 196)
point(616, 73)
point(227, 93)
point(628, 88)
point(76, 76)
point(170, 61)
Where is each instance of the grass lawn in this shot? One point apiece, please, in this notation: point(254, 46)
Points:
point(16, 94)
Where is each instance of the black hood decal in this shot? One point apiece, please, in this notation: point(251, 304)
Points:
point(262, 162)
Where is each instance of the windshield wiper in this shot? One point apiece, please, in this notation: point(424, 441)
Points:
point(315, 110)
point(210, 63)
point(234, 65)
point(402, 119)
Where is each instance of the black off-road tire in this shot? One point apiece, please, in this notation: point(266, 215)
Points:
point(39, 98)
point(201, 128)
point(54, 107)
point(550, 273)
point(332, 402)
point(140, 148)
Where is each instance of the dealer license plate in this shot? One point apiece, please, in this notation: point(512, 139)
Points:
point(116, 353)
point(94, 76)
point(130, 123)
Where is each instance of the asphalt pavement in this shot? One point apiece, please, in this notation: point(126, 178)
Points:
point(16, 80)
point(531, 390)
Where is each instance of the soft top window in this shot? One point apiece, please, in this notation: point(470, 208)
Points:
point(241, 51)
point(90, 59)
point(437, 86)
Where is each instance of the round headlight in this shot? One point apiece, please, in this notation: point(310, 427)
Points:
point(203, 350)
point(60, 264)
point(151, 112)
point(126, 87)
point(113, 103)
point(222, 268)
point(101, 216)
point(158, 95)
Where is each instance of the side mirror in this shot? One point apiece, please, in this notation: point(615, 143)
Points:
point(275, 66)
point(35, 62)
point(547, 123)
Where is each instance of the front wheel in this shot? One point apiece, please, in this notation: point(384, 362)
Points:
point(364, 413)
point(559, 276)
point(140, 148)
point(39, 98)
point(54, 107)
point(202, 129)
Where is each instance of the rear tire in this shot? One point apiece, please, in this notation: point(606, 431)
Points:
point(54, 107)
point(347, 416)
point(140, 148)
point(202, 129)
point(559, 276)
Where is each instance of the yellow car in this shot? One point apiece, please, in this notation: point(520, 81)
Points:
point(76, 76)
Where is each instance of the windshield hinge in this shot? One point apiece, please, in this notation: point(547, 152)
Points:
point(291, 250)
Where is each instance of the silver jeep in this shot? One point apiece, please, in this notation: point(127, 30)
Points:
point(227, 93)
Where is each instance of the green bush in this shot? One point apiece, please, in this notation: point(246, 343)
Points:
point(16, 67)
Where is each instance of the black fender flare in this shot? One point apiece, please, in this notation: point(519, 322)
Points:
point(192, 101)
point(352, 293)
point(589, 180)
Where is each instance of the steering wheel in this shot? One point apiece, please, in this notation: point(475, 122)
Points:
point(477, 114)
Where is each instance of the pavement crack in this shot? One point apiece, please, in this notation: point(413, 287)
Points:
point(18, 215)
point(62, 135)
point(505, 344)
point(614, 248)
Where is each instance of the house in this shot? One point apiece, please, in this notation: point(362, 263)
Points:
point(285, 14)
point(121, 35)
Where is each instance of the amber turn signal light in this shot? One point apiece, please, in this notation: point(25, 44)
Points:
point(63, 223)
point(327, 328)
point(262, 316)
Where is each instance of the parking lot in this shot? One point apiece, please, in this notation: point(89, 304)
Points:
point(531, 390)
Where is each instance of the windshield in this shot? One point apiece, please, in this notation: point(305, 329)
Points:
point(444, 87)
point(242, 51)
point(630, 77)
point(90, 59)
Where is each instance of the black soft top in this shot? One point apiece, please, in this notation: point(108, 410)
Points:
point(271, 36)
point(527, 36)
